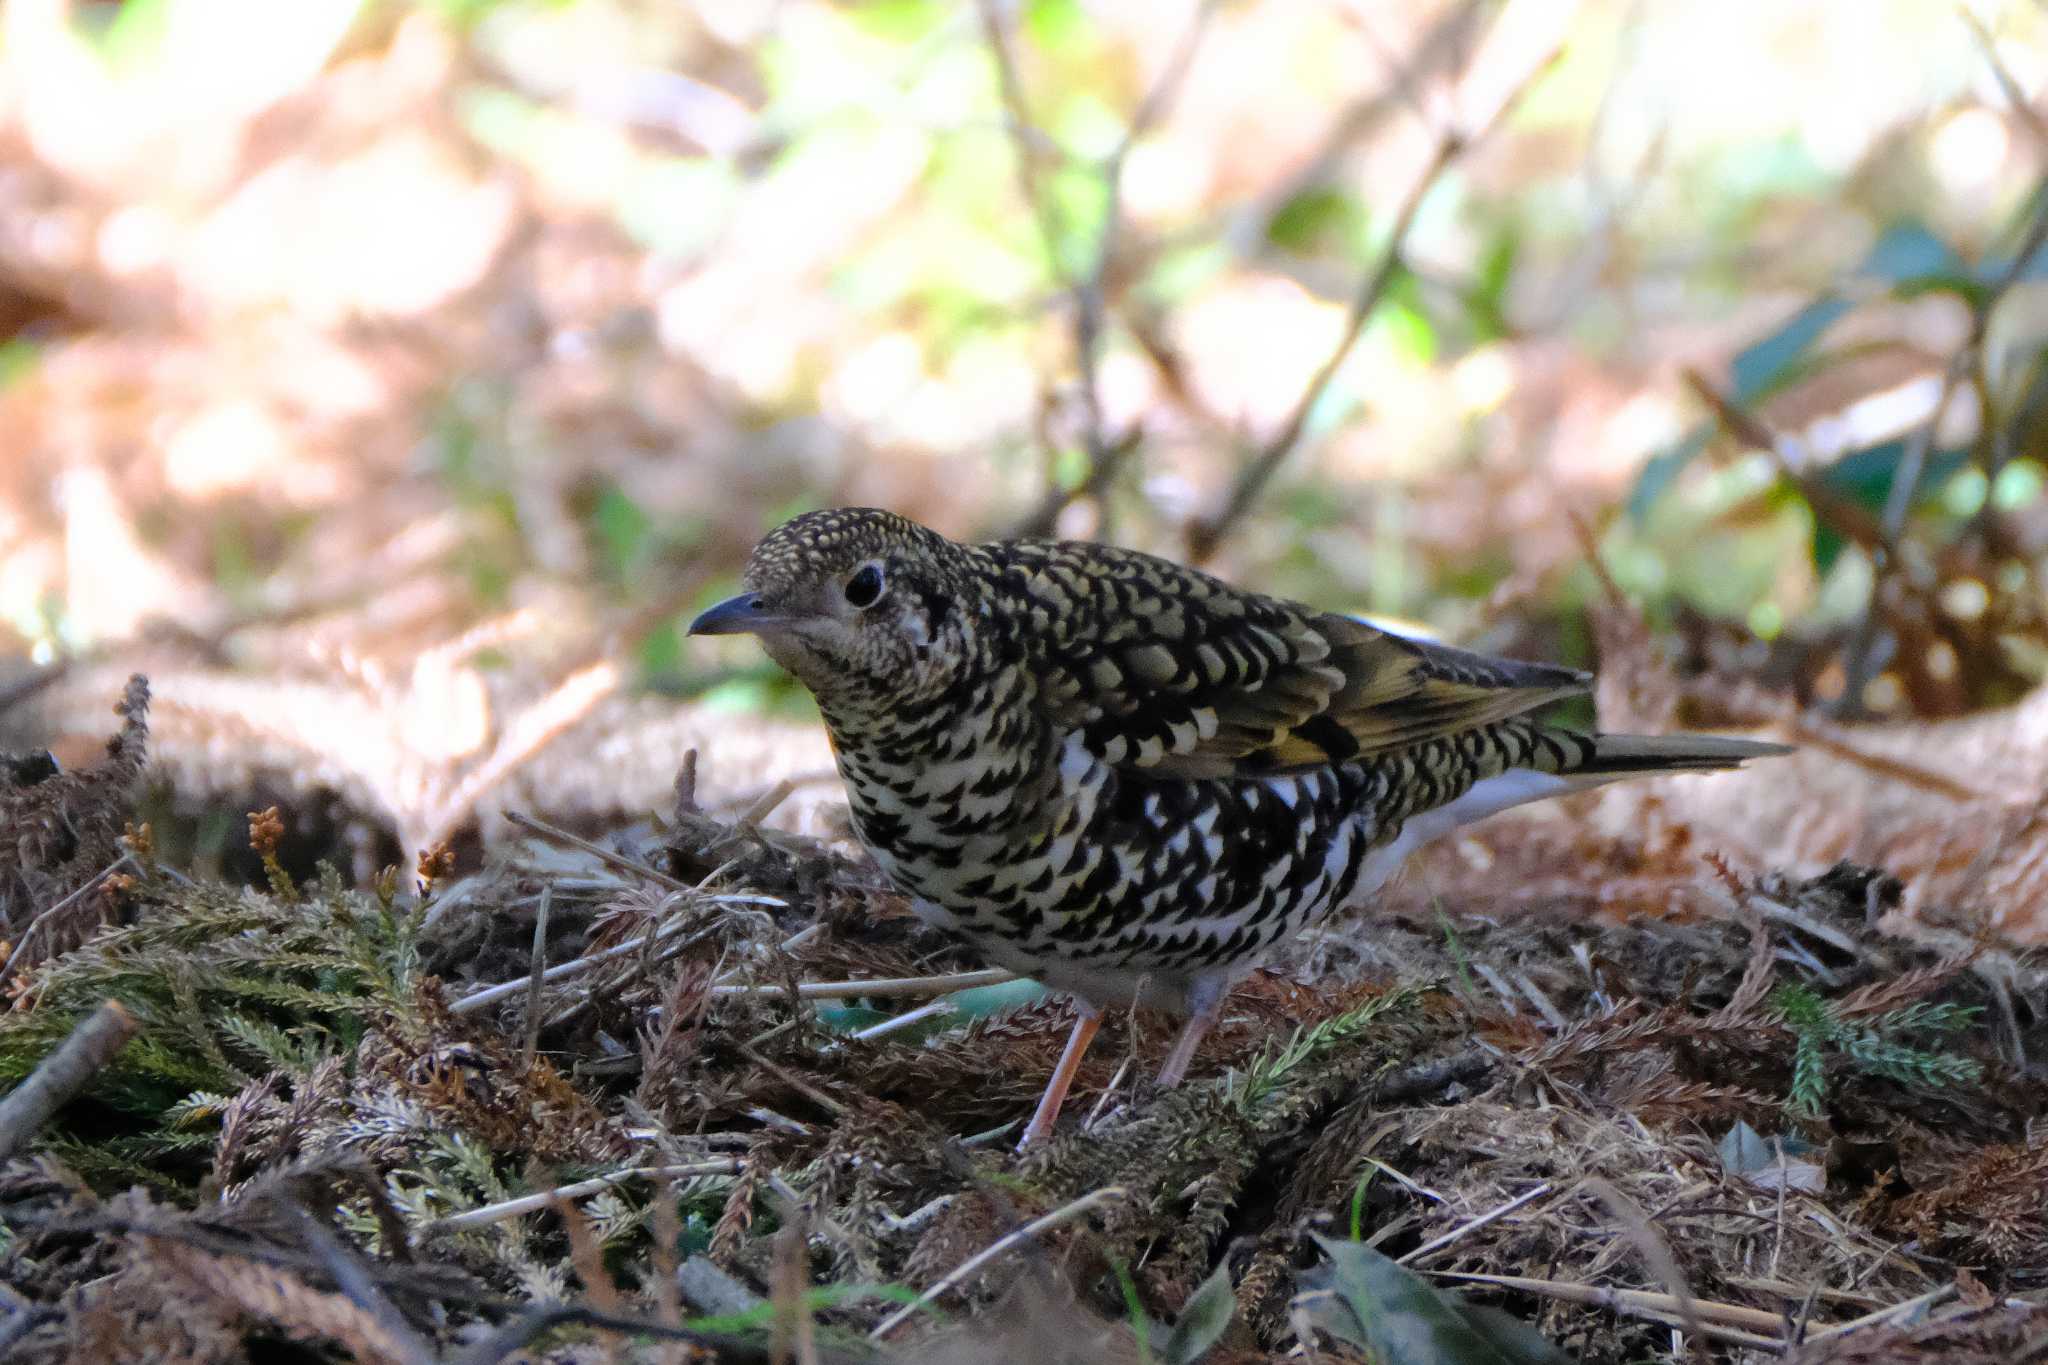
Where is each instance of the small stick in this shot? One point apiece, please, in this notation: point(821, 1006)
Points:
point(1406, 1182)
point(795, 1331)
point(63, 1074)
point(595, 850)
point(1066, 1213)
point(528, 1203)
point(1657, 1252)
point(789, 945)
point(1439, 1243)
point(20, 951)
point(902, 1021)
point(353, 1280)
point(1730, 1321)
point(1108, 1094)
point(1891, 1310)
point(794, 1082)
point(901, 987)
point(490, 995)
point(764, 805)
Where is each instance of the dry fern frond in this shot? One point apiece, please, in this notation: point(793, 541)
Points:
point(274, 1298)
point(1988, 1205)
point(60, 832)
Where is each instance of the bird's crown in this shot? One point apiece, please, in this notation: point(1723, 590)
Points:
point(823, 545)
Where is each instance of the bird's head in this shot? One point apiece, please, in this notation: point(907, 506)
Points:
point(863, 606)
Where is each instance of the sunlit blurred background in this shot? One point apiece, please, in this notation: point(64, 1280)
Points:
point(338, 328)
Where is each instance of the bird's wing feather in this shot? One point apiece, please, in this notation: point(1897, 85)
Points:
point(1169, 671)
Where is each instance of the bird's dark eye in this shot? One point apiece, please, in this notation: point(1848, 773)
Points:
point(865, 586)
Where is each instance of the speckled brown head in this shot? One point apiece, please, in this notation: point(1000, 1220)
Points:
point(862, 605)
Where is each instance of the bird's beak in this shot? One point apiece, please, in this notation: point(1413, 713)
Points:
point(746, 614)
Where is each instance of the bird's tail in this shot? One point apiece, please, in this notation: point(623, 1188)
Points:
point(1617, 756)
point(1575, 762)
point(1675, 753)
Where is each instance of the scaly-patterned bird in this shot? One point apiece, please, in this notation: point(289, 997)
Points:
point(1128, 779)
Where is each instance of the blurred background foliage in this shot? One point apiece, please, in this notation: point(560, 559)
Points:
point(381, 318)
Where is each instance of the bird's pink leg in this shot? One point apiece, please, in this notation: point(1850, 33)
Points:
point(1207, 1007)
point(1086, 1020)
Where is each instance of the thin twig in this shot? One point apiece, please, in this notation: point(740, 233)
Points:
point(763, 806)
point(1656, 1251)
point(490, 995)
point(1862, 654)
point(836, 1108)
point(595, 850)
point(20, 950)
point(63, 1074)
point(1405, 1181)
point(1837, 511)
point(882, 987)
point(1106, 454)
point(1023, 130)
point(536, 969)
point(2022, 107)
point(535, 1319)
point(904, 1020)
point(1463, 1229)
point(1066, 1213)
point(352, 1278)
point(529, 1203)
point(788, 945)
point(1888, 1313)
point(1204, 535)
point(1726, 1321)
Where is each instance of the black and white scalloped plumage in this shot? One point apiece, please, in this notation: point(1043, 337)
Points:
point(1128, 779)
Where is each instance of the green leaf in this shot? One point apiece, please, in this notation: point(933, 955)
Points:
point(1909, 251)
point(1407, 334)
point(1907, 256)
point(18, 359)
point(899, 21)
point(1057, 25)
point(1486, 301)
point(1316, 220)
point(623, 530)
point(1867, 476)
point(1663, 469)
point(134, 33)
point(1363, 1298)
point(1757, 369)
point(1203, 1321)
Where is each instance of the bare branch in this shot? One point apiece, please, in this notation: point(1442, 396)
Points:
point(1109, 1194)
point(1205, 534)
point(1967, 362)
point(2022, 107)
point(1106, 453)
point(63, 1074)
point(533, 1203)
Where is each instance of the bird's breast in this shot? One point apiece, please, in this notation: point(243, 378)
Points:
point(975, 827)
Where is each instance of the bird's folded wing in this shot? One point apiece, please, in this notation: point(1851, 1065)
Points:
point(1171, 672)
